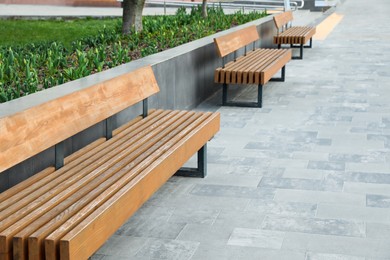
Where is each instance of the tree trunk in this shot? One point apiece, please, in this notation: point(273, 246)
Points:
point(132, 15)
point(204, 8)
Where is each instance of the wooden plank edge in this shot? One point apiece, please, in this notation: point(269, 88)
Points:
point(271, 70)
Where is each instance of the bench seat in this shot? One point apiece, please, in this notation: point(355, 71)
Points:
point(256, 66)
point(53, 213)
point(296, 36)
point(69, 212)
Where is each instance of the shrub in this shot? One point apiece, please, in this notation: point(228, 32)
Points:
point(33, 67)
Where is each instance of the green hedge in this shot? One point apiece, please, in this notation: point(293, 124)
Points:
point(33, 67)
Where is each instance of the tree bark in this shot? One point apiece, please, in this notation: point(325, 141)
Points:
point(204, 8)
point(132, 15)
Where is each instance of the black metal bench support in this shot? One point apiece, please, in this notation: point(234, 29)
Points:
point(301, 46)
point(259, 102)
point(283, 75)
point(59, 155)
point(201, 170)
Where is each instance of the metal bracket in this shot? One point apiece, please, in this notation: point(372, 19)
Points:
point(283, 75)
point(300, 57)
point(109, 128)
point(201, 170)
point(145, 108)
point(59, 150)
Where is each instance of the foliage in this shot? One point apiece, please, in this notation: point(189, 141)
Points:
point(33, 67)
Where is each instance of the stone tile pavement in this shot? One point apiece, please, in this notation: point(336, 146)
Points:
point(307, 177)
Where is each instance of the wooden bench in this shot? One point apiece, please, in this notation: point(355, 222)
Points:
point(256, 66)
point(288, 34)
point(69, 210)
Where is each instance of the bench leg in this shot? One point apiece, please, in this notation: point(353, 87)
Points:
point(260, 95)
point(311, 43)
point(199, 172)
point(301, 49)
point(300, 57)
point(225, 102)
point(224, 94)
point(283, 75)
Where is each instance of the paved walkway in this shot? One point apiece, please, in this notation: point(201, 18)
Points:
point(306, 177)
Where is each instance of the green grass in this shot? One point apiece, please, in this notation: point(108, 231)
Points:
point(20, 32)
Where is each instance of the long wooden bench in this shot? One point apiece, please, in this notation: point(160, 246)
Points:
point(69, 210)
point(256, 66)
point(296, 36)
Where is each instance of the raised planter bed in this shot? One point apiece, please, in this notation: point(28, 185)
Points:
point(185, 75)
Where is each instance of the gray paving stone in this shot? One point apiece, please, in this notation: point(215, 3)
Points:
point(368, 167)
point(232, 178)
point(321, 256)
point(167, 249)
point(378, 201)
point(298, 173)
point(329, 183)
point(378, 230)
point(322, 226)
point(342, 245)
point(315, 156)
point(152, 228)
point(120, 246)
point(289, 162)
point(323, 165)
point(380, 178)
point(289, 148)
point(235, 160)
point(320, 197)
point(213, 235)
point(186, 216)
point(241, 170)
point(358, 158)
point(200, 202)
point(234, 218)
point(352, 212)
point(256, 238)
point(228, 252)
point(232, 191)
point(96, 257)
point(365, 188)
point(282, 208)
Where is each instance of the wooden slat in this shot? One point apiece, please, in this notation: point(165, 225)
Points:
point(282, 19)
point(31, 131)
point(27, 183)
point(295, 35)
point(276, 65)
point(84, 150)
point(5, 257)
point(117, 209)
point(233, 41)
point(248, 69)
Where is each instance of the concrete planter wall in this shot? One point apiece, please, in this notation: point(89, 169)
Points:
point(185, 75)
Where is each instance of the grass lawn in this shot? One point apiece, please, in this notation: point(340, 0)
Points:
point(19, 32)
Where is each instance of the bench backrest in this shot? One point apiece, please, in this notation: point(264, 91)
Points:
point(236, 40)
point(31, 131)
point(283, 19)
